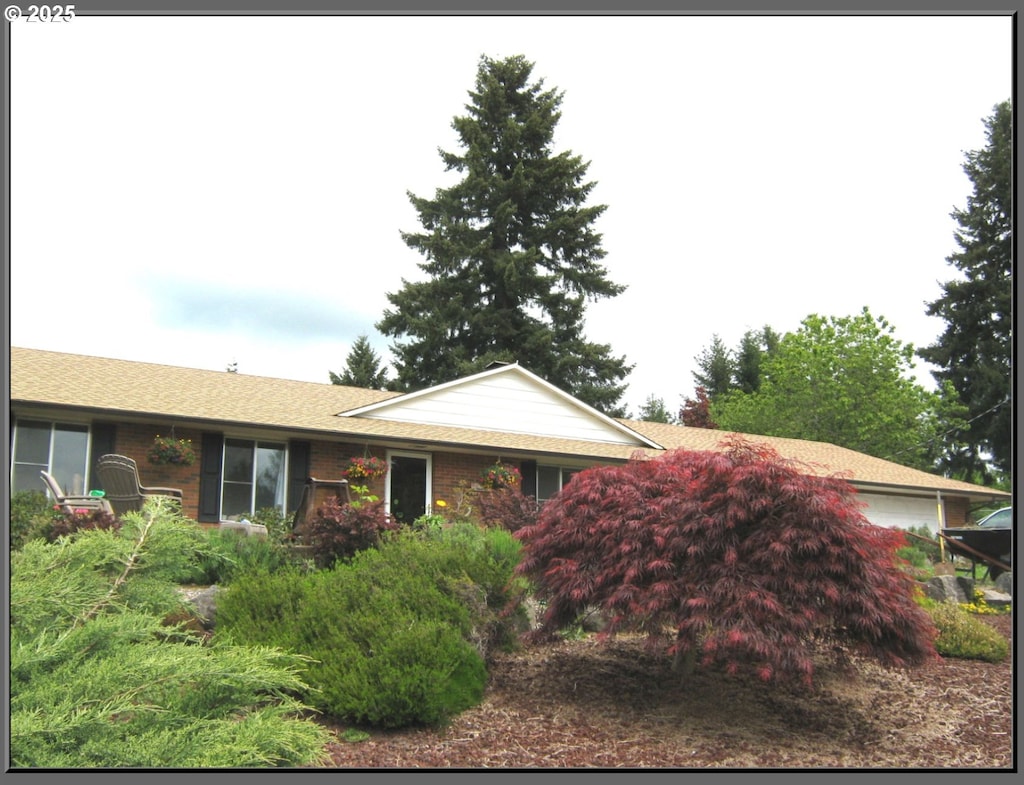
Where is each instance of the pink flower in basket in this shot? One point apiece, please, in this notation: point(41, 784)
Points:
point(502, 475)
point(366, 468)
point(168, 450)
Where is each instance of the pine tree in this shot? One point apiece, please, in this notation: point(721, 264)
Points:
point(654, 410)
point(511, 253)
point(975, 351)
point(362, 367)
point(717, 367)
point(755, 345)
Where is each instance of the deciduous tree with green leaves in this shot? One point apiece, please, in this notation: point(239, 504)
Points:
point(362, 367)
point(512, 256)
point(975, 351)
point(844, 380)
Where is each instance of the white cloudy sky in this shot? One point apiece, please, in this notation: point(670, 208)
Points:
point(206, 190)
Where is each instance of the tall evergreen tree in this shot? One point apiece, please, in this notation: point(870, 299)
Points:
point(362, 367)
point(511, 252)
point(716, 367)
point(975, 351)
point(754, 346)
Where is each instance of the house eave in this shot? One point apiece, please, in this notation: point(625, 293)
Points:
point(991, 494)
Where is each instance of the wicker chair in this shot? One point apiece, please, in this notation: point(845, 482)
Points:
point(119, 476)
point(73, 503)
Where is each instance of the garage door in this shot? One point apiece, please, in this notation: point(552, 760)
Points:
point(904, 512)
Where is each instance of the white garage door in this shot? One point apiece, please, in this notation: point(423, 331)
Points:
point(904, 512)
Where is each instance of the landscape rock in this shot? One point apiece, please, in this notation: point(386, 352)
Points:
point(995, 598)
point(205, 604)
point(244, 527)
point(949, 588)
point(1005, 582)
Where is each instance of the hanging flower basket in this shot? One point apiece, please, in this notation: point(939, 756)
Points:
point(501, 475)
point(169, 450)
point(365, 468)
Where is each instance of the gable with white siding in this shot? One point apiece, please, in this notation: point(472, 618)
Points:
point(508, 399)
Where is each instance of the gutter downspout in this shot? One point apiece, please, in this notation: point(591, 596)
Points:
point(938, 505)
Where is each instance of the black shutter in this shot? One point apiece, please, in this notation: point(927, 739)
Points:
point(104, 441)
point(529, 471)
point(298, 471)
point(209, 477)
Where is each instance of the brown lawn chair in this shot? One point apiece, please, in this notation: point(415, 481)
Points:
point(119, 476)
point(314, 494)
point(71, 504)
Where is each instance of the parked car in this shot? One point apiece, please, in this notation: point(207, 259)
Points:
point(1000, 519)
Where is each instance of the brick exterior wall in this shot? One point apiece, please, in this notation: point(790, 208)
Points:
point(327, 461)
point(451, 471)
point(135, 440)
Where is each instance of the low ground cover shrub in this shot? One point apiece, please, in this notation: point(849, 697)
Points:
point(99, 680)
point(962, 635)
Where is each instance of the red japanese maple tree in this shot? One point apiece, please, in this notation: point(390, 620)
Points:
point(736, 558)
point(696, 413)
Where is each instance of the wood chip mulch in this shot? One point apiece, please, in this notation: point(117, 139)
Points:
point(584, 704)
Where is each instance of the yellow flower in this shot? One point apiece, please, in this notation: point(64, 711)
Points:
point(442, 503)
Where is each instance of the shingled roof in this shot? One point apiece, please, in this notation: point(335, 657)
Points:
point(122, 389)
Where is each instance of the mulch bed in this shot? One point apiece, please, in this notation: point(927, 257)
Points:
point(584, 704)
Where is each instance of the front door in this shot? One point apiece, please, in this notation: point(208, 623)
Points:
point(408, 493)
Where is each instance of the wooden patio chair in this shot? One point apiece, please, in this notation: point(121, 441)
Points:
point(119, 476)
point(314, 493)
point(73, 503)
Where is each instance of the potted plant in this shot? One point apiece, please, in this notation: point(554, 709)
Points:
point(501, 475)
point(170, 450)
point(367, 467)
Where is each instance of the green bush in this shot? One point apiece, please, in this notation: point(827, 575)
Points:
point(31, 515)
point(964, 636)
point(921, 550)
point(474, 565)
point(398, 634)
point(279, 525)
point(225, 554)
point(99, 680)
point(388, 647)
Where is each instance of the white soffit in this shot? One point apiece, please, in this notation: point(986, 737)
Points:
point(507, 399)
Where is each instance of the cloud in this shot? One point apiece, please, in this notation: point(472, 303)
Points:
point(279, 314)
